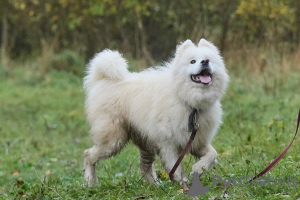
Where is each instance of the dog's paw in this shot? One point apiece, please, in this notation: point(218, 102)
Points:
point(90, 177)
point(180, 178)
point(184, 179)
point(197, 169)
point(91, 181)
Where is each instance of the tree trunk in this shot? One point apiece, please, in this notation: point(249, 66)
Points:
point(4, 39)
point(224, 33)
point(143, 40)
point(226, 23)
point(297, 22)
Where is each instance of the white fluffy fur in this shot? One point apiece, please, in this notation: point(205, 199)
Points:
point(152, 108)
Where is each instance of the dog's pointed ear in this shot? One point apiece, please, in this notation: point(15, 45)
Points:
point(204, 43)
point(183, 46)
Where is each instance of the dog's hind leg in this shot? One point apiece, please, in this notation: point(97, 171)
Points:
point(91, 157)
point(96, 153)
point(107, 144)
point(147, 166)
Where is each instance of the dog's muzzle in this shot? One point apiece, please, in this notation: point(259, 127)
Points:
point(205, 74)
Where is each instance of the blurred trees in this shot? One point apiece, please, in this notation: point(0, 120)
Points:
point(269, 20)
point(146, 29)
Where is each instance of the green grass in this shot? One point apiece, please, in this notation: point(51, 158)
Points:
point(43, 133)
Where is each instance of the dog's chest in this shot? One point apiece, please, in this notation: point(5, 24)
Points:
point(206, 125)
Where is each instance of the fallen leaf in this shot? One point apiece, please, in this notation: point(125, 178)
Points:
point(271, 123)
point(164, 175)
point(280, 124)
point(48, 172)
point(16, 173)
point(20, 182)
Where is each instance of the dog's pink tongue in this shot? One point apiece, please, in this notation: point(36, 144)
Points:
point(205, 79)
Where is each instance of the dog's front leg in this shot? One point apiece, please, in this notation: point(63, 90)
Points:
point(169, 155)
point(208, 157)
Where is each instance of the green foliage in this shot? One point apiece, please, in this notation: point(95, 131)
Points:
point(268, 18)
point(147, 29)
point(68, 61)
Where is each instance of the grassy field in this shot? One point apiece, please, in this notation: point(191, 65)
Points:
point(43, 133)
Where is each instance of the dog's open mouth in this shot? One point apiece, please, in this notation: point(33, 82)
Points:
point(203, 77)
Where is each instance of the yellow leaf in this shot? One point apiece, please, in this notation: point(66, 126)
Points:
point(35, 2)
point(114, 10)
point(271, 123)
point(48, 7)
point(164, 175)
point(280, 124)
point(22, 6)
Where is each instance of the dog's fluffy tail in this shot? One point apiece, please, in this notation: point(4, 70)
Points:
point(107, 64)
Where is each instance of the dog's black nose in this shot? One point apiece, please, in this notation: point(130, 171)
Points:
point(205, 62)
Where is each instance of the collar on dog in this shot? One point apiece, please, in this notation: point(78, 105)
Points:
point(193, 127)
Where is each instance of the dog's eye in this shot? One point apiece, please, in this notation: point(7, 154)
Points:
point(193, 61)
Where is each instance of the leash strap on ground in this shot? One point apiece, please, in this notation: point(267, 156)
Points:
point(191, 125)
point(270, 166)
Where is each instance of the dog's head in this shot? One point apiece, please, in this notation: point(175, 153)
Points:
point(200, 76)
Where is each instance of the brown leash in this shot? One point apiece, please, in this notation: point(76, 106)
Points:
point(193, 126)
point(272, 164)
point(193, 123)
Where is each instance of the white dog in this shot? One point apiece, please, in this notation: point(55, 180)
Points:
point(152, 108)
